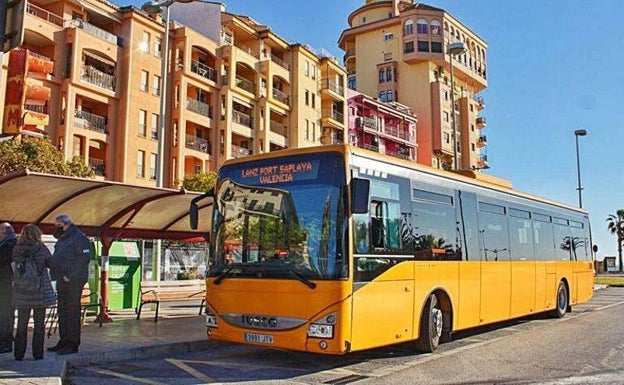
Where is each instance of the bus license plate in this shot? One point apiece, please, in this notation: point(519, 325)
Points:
point(258, 338)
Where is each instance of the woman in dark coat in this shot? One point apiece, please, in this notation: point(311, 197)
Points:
point(30, 245)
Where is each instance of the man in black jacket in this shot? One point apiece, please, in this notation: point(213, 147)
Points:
point(7, 312)
point(69, 267)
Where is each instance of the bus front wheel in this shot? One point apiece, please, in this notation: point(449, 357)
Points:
point(561, 301)
point(431, 325)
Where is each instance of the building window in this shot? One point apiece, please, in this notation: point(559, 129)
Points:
point(144, 80)
point(313, 71)
point(145, 42)
point(436, 46)
point(436, 27)
point(387, 56)
point(471, 108)
point(472, 146)
point(445, 94)
point(382, 76)
point(154, 128)
point(152, 174)
point(389, 75)
point(408, 28)
point(382, 96)
point(423, 46)
point(307, 129)
point(422, 26)
point(409, 47)
point(306, 68)
point(141, 164)
point(389, 97)
point(142, 123)
point(313, 132)
point(472, 127)
point(352, 82)
point(447, 138)
point(307, 97)
point(388, 36)
point(158, 47)
point(446, 116)
point(197, 169)
point(156, 85)
point(363, 19)
point(313, 100)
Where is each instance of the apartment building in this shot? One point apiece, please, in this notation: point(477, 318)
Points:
point(385, 127)
point(396, 51)
point(234, 88)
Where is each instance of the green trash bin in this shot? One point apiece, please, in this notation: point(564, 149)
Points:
point(124, 274)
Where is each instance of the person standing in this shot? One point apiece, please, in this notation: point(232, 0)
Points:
point(7, 312)
point(30, 247)
point(70, 269)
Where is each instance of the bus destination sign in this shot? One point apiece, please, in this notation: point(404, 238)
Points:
point(280, 173)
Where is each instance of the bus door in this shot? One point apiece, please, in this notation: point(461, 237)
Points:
point(383, 282)
point(470, 269)
point(495, 263)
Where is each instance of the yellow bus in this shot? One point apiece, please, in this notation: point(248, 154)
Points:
point(337, 249)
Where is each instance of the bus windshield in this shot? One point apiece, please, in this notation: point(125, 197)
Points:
point(281, 218)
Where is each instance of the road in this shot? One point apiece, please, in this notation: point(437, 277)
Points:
point(585, 347)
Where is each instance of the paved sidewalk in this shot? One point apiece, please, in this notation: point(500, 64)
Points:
point(179, 330)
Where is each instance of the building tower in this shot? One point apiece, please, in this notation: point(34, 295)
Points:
point(396, 50)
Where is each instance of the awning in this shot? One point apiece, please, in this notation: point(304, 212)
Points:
point(99, 58)
point(242, 102)
point(99, 11)
point(104, 209)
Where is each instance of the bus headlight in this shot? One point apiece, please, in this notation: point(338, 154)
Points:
point(323, 328)
point(211, 318)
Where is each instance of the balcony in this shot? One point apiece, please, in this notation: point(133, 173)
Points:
point(245, 84)
point(44, 15)
point(246, 49)
point(197, 144)
point(331, 85)
point(278, 128)
point(281, 96)
point(348, 55)
point(280, 62)
point(198, 107)
point(90, 121)
point(396, 132)
point(239, 152)
point(482, 162)
point(482, 141)
point(98, 78)
point(203, 70)
point(481, 122)
point(98, 166)
point(94, 31)
point(39, 108)
point(334, 114)
point(242, 119)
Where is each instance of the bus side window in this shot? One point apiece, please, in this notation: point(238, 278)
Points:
point(377, 225)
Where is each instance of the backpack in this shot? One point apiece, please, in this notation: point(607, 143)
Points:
point(26, 279)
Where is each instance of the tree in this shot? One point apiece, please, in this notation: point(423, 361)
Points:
point(39, 155)
point(615, 225)
point(201, 182)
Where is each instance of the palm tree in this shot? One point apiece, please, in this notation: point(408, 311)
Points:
point(615, 225)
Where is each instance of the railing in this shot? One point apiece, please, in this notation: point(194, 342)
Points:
point(278, 128)
point(397, 132)
point(241, 118)
point(336, 115)
point(333, 86)
point(399, 154)
point(279, 62)
point(239, 152)
point(93, 30)
point(482, 159)
point(371, 123)
point(98, 166)
point(281, 96)
point(96, 77)
point(40, 108)
point(90, 121)
point(43, 14)
point(369, 147)
point(203, 70)
point(350, 52)
point(226, 38)
point(199, 107)
point(481, 120)
point(245, 84)
point(482, 141)
point(246, 49)
point(198, 144)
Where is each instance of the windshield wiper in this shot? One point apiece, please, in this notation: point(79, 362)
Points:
point(302, 279)
point(223, 275)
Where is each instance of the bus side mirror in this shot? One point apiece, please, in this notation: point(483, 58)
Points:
point(360, 190)
point(595, 248)
point(194, 208)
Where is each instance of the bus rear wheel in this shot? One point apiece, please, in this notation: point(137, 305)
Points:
point(431, 326)
point(561, 306)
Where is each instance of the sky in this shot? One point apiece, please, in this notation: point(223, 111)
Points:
point(553, 67)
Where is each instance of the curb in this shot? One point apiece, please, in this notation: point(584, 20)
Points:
point(126, 354)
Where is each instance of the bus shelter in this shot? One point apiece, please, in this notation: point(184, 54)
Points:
point(104, 209)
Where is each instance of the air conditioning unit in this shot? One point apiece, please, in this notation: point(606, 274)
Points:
point(359, 121)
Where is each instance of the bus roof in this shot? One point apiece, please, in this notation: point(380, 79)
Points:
point(466, 176)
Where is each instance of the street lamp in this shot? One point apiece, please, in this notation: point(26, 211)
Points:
point(155, 8)
point(453, 49)
point(578, 133)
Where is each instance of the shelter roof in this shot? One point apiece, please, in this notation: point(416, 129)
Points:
point(105, 209)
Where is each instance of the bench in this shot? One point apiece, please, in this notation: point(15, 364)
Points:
point(86, 303)
point(171, 291)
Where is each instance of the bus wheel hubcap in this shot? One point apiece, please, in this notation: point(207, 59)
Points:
point(436, 316)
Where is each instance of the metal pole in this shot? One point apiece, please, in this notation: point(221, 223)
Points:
point(578, 171)
point(163, 106)
point(455, 160)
